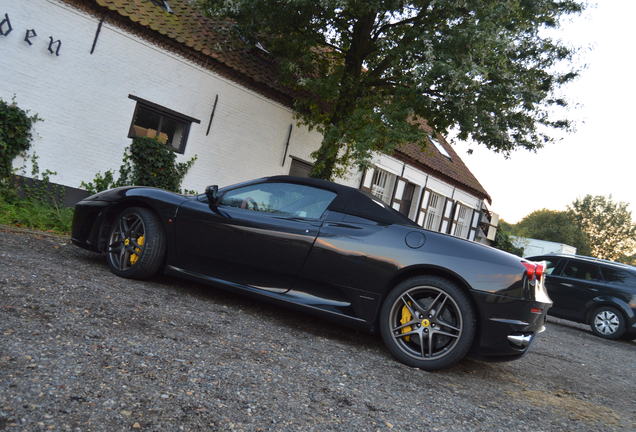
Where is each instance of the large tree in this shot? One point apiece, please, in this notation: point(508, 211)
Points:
point(365, 72)
point(555, 226)
point(608, 226)
point(503, 240)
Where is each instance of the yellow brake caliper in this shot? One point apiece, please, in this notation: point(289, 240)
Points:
point(134, 257)
point(406, 317)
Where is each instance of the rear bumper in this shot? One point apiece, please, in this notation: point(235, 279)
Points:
point(507, 326)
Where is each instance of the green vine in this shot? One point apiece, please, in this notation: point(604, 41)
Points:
point(15, 136)
point(147, 162)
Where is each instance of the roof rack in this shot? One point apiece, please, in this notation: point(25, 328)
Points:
point(595, 259)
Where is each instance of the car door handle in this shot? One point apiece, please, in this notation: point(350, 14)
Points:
point(342, 225)
point(569, 285)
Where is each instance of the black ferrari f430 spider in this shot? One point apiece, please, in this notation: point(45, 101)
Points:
point(328, 249)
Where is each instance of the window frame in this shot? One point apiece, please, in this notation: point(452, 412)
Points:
point(426, 209)
point(439, 146)
point(400, 200)
point(389, 187)
point(297, 162)
point(569, 261)
point(557, 261)
point(465, 224)
point(163, 112)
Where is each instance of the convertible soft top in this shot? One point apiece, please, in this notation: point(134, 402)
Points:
point(351, 201)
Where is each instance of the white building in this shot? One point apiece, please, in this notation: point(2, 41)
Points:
point(534, 247)
point(102, 71)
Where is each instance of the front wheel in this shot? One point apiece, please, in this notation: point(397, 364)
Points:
point(136, 245)
point(427, 322)
point(607, 322)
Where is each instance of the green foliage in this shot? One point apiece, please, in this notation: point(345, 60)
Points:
point(42, 189)
point(101, 182)
point(628, 259)
point(363, 71)
point(36, 204)
point(34, 214)
point(147, 162)
point(554, 226)
point(503, 240)
point(15, 136)
point(608, 225)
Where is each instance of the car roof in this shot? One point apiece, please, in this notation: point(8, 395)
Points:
point(309, 181)
point(590, 259)
point(349, 200)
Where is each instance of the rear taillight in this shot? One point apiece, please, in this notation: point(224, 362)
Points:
point(538, 271)
point(531, 270)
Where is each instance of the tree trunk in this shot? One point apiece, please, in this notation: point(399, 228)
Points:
point(327, 154)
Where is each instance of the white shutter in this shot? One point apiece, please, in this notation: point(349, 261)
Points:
point(368, 177)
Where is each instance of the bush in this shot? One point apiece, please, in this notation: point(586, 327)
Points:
point(35, 203)
point(15, 136)
point(23, 203)
point(147, 162)
point(503, 240)
point(37, 215)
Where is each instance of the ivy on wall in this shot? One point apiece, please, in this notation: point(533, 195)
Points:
point(147, 162)
point(15, 135)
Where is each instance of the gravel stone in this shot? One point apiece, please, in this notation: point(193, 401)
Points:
point(84, 350)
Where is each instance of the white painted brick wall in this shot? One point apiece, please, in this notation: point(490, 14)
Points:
point(84, 102)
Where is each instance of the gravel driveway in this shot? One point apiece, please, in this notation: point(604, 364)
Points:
point(81, 349)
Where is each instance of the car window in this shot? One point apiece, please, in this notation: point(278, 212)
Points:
point(551, 265)
point(618, 277)
point(581, 270)
point(286, 199)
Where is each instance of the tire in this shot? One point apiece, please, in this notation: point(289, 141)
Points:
point(608, 322)
point(420, 333)
point(136, 244)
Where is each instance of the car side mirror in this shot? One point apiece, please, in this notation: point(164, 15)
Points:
point(212, 192)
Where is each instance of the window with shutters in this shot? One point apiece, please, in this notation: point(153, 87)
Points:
point(382, 185)
point(434, 212)
point(462, 222)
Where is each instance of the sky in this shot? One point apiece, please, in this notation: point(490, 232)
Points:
point(599, 157)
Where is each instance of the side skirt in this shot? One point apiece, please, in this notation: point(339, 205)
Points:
point(291, 299)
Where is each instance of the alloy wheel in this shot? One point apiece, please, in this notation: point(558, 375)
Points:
point(127, 240)
point(425, 323)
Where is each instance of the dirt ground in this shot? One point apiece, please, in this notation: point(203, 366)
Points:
point(84, 350)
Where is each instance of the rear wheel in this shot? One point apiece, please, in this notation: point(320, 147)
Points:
point(136, 244)
point(427, 322)
point(607, 322)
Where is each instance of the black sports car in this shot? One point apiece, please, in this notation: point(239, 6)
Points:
point(330, 249)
